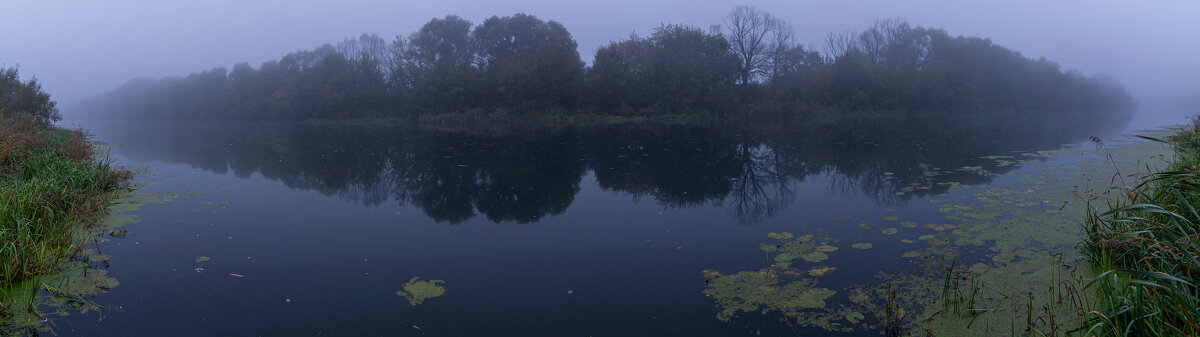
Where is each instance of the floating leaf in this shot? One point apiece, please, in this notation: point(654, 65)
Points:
point(889, 231)
point(815, 257)
point(854, 317)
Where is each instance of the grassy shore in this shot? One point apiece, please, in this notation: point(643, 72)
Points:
point(53, 189)
point(1146, 244)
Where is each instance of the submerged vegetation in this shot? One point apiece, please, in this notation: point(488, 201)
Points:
point(752, 67)
point(1146, 243)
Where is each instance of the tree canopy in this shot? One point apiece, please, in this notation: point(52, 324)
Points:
point(25, 98)
point(522, 64)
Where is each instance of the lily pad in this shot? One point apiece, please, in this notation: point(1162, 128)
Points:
point(862, 245)
point(805, 247)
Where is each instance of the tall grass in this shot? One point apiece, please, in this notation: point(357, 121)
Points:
point(53, 188)
point(1147, 246)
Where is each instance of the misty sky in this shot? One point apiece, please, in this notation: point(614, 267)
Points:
point(82, 48)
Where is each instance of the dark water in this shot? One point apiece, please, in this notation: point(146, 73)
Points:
point(563, 232)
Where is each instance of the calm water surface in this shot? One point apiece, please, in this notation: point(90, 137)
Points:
point(311, 230)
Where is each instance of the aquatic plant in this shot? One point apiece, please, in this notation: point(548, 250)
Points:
point(750, 291)
point(806, 247)
point(54, 192)
point(786, 288)
point(416, 292)
point(1147, 246)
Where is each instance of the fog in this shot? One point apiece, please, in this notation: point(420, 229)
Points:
point(81, 48)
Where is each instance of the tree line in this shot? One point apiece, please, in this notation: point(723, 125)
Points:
point(521, 64)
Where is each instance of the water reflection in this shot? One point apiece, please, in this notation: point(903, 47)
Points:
point(523, 175)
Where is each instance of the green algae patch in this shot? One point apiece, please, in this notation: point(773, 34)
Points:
point(416, 291)
point(759, 291)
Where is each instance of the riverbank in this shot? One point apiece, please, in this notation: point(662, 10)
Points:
point(503, 120)
point(1146, 244)
point(54, 189)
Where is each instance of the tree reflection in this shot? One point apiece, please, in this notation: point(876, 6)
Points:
point(524, 175)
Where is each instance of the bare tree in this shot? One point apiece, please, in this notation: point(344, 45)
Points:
point(875, 41)
point(371, 47)
point(839, 44)
point(782, 40)
point(754, 36)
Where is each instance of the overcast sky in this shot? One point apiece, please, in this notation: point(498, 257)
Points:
point(86, 47)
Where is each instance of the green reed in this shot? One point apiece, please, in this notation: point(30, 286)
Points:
point(53, 188)
point(1146, 245)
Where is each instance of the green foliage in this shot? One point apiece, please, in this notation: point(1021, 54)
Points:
point(25, 98)
point(894, 66)
point(52, 190)
point(521, 64)
point(527, 63)
point(678, 69)
point(1145, 243)
point(436, 71)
